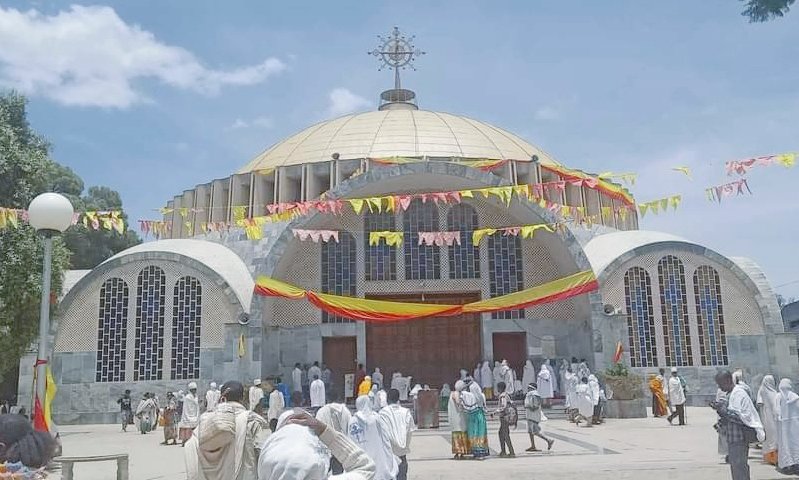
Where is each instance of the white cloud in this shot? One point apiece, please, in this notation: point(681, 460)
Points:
point(89, 56)
point(257, 122)
point(343, 101)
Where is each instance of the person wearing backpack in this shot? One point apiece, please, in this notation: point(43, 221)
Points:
point(506, 411)
point(535, 416)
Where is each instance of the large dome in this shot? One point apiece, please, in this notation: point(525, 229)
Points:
point(388, 133)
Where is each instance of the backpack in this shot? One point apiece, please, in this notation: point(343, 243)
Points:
point(510, 414)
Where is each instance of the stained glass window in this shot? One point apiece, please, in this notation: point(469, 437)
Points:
point(380, 259)
point(339, 271)
point(464, 259)
point(112, 331)
point(674, 310)
point(710, 316)
point(149, 352)
point(421, 262)
point(640, 318)
point(507, 274)
point(186, 319)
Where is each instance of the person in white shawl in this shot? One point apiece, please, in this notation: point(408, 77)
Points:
point(554, 375)
point(457, 422)
point(366, 432)
point(768, 403)
point(593, 385)
point(487, 380)
point(528, 373)
point(211, 398)
point(298, 450)
point(378, 397)
point(788, 449)
point(396, 421)
point(571, 381)
point(146, 413)
point(544, 382)
point(227, 441)
point(583, 402)
point(507, 378)
point(497, 374)
point(377, 378)
point(337, 417)
point(477, 375)
point(190, 415)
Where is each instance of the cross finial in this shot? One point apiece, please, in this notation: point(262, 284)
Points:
point(396, 51)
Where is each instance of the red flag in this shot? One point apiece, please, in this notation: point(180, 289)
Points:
point(619, 352)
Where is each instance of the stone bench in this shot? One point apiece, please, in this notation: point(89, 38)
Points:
point(67, 464)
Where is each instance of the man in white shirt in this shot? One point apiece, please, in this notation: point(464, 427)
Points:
point(398, 424)
point(317, 394)
point(314, 371)
point(256, 394)
point(676, 391)
point(296, 386)
point(276, 406)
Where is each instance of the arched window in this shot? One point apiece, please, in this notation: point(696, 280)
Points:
point(112, 331)
point(507, 274)
point(710, 316)
point(674, 311)
point(421, 262)
point(339, 271)
point(380, 261)
point(640, 318)
point(186, 318)
point(464, 259)
point(149, 353)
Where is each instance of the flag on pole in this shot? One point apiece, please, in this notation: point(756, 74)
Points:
point(619, 352)
point(42, 419)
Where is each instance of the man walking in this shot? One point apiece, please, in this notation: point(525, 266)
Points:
point(126, 408)
point(296, 386)
point(535, 415)
point(740, 423)
point(190, 415)
point(398, 425)
point(676, 397)
point(504, 421)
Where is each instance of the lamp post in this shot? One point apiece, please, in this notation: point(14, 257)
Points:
point(50, 214)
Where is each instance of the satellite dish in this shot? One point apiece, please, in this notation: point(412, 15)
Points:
point(244, 319)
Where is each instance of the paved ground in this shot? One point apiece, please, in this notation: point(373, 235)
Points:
point(621, 449)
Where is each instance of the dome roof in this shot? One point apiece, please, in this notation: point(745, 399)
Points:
point(388, 133)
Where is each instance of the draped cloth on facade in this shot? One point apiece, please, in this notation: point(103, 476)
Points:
point(387, 311)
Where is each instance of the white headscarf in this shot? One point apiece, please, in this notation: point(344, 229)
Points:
point(336, 416)
point(293, 452)
point(364, 430)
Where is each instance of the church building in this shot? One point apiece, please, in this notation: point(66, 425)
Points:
point(182, 308)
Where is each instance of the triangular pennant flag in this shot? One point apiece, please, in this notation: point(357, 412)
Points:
point(357, 205)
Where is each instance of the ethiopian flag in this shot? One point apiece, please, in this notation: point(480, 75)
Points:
point(42, 419)
point(619, 352)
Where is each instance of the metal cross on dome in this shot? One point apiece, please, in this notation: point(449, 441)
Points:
point(396, 51)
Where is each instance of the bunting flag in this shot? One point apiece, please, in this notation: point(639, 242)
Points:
point(661, 205)
point(388, 311)
point(392, 239)
point(741, 167)
point(629, 178)
point(612, 190)
point(727, 190)
point(523, 231)
point(684, 170)
point(95, 220)
point(316, 235)
point(618, 353)
point(439, 239)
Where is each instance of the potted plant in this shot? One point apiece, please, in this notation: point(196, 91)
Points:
point(623, 384)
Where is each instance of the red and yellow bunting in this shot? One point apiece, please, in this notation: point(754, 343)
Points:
point(387, 311)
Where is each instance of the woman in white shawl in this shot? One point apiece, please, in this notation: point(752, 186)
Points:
point(767, 401)
point(298, 450)
point(379, 398)
point(545, 388)
point(487, 380)
point(146, 413)
point(497, 374)
point(477, 375)
point(528, 374)
point(788, 449)
point(584, 402)
point(593, 385)
point(366, 432)
point(457, 422)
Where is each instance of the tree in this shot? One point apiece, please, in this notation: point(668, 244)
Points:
point(23, 156)
point(765, 10)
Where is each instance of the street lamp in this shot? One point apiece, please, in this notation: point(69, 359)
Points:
point(50, 214)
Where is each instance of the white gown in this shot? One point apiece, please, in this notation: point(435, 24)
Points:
point(528, 375)
point(545, 383)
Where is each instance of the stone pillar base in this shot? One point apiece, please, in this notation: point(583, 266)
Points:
point(626, 408)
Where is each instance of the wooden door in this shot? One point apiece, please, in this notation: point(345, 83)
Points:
point(340, 354)
point(513, 348)
point(431, 350)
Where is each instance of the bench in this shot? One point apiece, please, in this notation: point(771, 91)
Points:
point(67, 464)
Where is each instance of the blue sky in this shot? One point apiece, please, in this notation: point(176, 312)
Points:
point(153, 97)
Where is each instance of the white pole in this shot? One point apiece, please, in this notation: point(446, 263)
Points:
point(44, 322)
